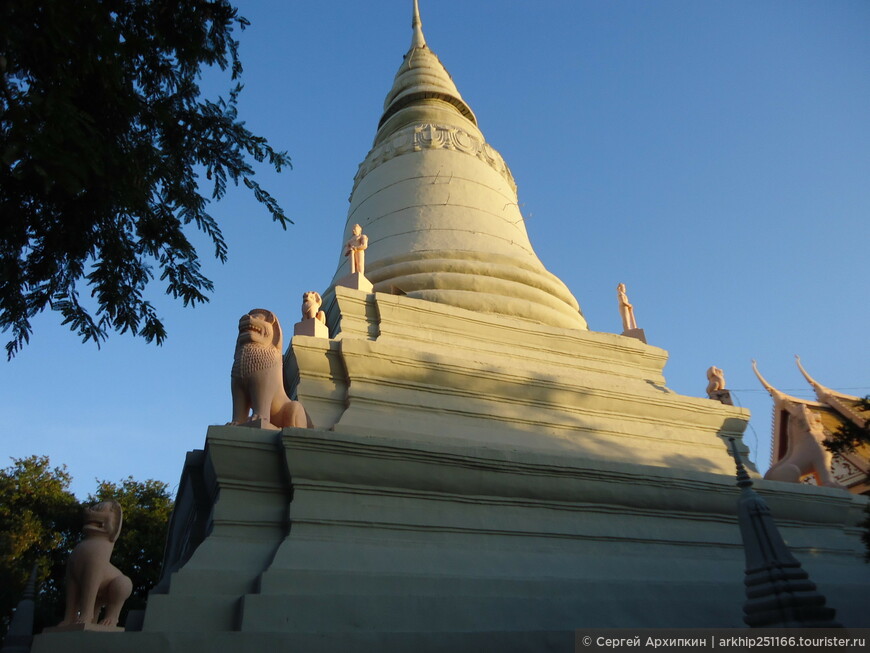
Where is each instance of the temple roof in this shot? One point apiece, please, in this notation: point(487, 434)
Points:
point(834, 409)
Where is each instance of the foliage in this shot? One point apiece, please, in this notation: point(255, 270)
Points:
point(40, 524)
point(846, 439)
point(39, 518)
point(851, 436)
point(102, 132)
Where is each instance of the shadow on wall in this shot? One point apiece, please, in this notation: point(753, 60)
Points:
point(605, 417)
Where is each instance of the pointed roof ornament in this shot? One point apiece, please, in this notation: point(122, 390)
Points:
point(778, 396)
point(844, 404)
point(417, 40)
point(779, 593)
point(30, 587)
point(816, 385)
point(19, 637)
point(743, 478)
point(773, 392)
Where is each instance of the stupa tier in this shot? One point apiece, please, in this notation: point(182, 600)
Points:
point(405, 367)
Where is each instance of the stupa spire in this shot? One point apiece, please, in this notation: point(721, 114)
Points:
point(421, 84)
point(418, 40)
point(439, 206)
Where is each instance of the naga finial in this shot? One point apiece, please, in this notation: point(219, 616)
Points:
point(816, 385)
point(770, 389)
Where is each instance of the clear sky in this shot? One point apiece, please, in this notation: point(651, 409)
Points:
point(714, 156)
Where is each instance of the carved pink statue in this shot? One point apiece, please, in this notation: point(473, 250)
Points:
point(626, 310)
point(257, 377)
point(716, 381)
point(806, 449)
point(311, 303)
point(806, 452)
point(355, 248)
point(92, 582)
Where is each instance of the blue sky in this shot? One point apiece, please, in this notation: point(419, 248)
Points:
point(713, 156)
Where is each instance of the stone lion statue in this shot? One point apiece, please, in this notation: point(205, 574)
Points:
point(715, 381)
point(311, 303)
point(92, 582)
point(806, 450)
point(805, 433)
point(257, 377)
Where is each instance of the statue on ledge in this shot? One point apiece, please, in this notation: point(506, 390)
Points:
point(311, 303)
point(313, 322)
point(715, 380)
point(805, 433)
point(626, 310)
point(92, 581)
point(716, 386)
point(257, 377)
point(355, 249)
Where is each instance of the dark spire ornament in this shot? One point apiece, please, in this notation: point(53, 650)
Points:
point(779, 593)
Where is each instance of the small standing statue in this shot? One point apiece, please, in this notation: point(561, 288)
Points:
point(92, 582)
point(355, 249)
point(626, 312)
point(716, 386)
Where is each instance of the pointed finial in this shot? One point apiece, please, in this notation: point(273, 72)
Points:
point(743, 480)
point(30, 587)
point(19, 637)
point(779, 593)
point(809, 379)
point(770, 389)
point(417, 41)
